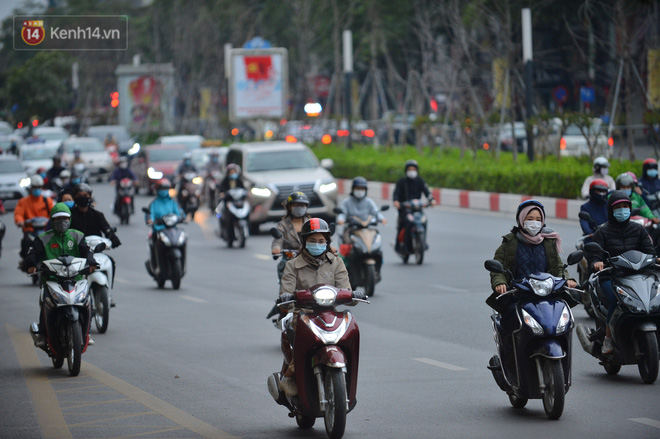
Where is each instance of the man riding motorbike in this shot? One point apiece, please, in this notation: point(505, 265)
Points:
point(54, 173)
point(314, 265)
point(89, 220)
point(410, 187)
point(31, 206)
point(121, 172)
point(61, 240)
point(231, 180)
point(596, 207)
point(359, 205)
point(617, 236)
point(600, 171)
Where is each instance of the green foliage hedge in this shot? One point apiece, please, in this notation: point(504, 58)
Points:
point(445, 168)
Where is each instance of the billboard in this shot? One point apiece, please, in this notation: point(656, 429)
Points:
point(258, 83)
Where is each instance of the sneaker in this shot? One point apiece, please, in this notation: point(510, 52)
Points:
point(91, 341)
point(40, 341)
point(608, 346)
point(288, 386)
point(112, 303)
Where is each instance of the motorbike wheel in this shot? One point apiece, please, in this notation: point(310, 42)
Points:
point(240, 233)
point(58, 362)
point(555, 392)
point(101, 308)
point(73, 358)
point(612, 368)
point(336, 408)
point(418, 246)
point(305, 422)
point(648, 364)
point(176, 274)
point(370, 280)
point(124, 214)
point(161, 283)
point(516, 402)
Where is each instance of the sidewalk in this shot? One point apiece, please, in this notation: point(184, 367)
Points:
point(495, 202)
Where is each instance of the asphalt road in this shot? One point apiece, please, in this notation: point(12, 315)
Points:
point(194, 362)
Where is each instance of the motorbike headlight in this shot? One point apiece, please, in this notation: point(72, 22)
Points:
point(327, 187)
point(263, 192)
point(182, 239)
point(153, 174)
point(532, 323)
point(542, 287)
point(80, 297)
point(197, 180)
point(564, 320)
point(325, 296)
point(163, 237)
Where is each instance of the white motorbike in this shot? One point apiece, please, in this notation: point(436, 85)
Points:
point(101, 281)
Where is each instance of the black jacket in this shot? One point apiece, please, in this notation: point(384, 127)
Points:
point(407, 189)
point(618, 237)
point(91, 222)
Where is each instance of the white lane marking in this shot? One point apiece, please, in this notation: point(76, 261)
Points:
point(262, 257)
point(646, 421)
point(439, 364)
point(448, 288)
point(193, 299)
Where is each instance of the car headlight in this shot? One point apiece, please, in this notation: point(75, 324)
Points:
point(153, 174)
point(327, 187)
point(325, 296)
point(25, 182)
point(263, 192)
point(564, 320)
point(542, 287)
point(532, 323)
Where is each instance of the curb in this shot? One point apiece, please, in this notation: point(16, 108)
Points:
point(495, 202)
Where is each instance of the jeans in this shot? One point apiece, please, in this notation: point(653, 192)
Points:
point(608, 291)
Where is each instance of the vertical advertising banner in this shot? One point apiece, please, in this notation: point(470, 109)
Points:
point(654, 76)
point(258, 84)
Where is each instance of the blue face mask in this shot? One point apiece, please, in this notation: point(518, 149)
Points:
point(69, 204)
point(652, 173)
point(234, 176)
point(621, 214)
point(628, 192)
point(163, 193)
point(75, 181)
point(315, 249)
point(36, 192)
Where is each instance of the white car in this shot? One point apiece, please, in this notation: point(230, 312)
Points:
point(37, 155)
point(13, 180)
point(574, 143)
point(98, 161)
point(191, 142)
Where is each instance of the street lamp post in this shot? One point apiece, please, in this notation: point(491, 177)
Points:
point(527, 60)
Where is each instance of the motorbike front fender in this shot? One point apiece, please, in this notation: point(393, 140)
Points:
point(176, 253)
point(646, 327)
point(72, 313)
point(98, 277)
point(370, 261)
point(549, 349)
point(330, 356)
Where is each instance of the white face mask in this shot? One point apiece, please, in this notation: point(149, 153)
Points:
point(604, 171)
point(411, 174)
point(359, 194)
point(533, 227)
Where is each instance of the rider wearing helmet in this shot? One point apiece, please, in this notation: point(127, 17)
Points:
point(650, 181)
point(600, 171)
point(627, 182)
point(186, 165)
point(162, 205)
point(31, 206)
point(89, 220)
point(231, 180)
point(358, 205)
point(291, 225)
point(54, 173)
point(121, 172)
point(410, 187)
point(313, 266)
point(596, 207)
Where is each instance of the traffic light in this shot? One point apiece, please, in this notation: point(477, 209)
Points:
point(114, 103)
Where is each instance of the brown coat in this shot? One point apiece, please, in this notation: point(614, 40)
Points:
point(301, 275)
point(290, 239)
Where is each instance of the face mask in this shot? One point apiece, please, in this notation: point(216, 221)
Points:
point(75, 181)
point(163, 193)
point(604, 171)
point(69, 204)
point(36, 192)
point(123, 165)
point(359, 194)
point(315, 249)
point(622, 214)
point(61, 226)
point(628, 192)
point(82, 201)
point(187, 162)
point(652, 173)
point(533, 227)
point(234, 176)
point(298, 211)
point(43, 174)
point(411, 174)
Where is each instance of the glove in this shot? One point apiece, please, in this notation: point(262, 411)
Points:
point(115, 241)
point(359, 295)
point(285, 297)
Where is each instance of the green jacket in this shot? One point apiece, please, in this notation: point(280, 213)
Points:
point(52, 244)
point(506, 254)
point(639, 203)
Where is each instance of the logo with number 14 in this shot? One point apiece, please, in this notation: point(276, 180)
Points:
point(33, 32)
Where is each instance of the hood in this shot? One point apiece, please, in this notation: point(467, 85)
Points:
point(289, 176)
point(614, 197)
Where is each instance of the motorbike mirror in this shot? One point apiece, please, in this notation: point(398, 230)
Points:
point(593, 247)
point(575, 257)
point(275, 233)
point(584, 216)
point(146, 210)
point(99, 247)
point(635, 212)
point(332, 227)
point(337, 210)
point(494, 266)
point(385, 207)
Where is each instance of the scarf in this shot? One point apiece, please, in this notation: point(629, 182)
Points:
point(545, 232)
point(312, 260)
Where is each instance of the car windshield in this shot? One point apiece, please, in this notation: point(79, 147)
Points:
point(84, 146)
point(189, 144)
point(10, 167)
point(573, 130)
point(276, 160)
point(119, 133)
point(52, 135)
point(166, 155)
point(39, 153)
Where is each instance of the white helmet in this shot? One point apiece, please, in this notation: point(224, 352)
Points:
point(36, 181)
point(602, 162)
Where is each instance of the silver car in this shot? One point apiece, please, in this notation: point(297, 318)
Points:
point(272, 170)
point(13, 180)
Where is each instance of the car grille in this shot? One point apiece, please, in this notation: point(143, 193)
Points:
point(307, 189)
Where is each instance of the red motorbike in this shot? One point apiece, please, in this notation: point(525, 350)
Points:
point(326, 350)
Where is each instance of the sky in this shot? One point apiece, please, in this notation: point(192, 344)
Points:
point(7, 6)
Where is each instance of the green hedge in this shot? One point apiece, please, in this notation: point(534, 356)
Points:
point(445, 168)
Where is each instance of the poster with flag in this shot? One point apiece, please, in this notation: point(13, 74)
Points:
point(258, 83)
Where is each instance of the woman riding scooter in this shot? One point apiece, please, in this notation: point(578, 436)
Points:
point(290, 228)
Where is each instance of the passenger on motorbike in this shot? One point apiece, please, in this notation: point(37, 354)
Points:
point(61, 240)
point(529, 248)
point(410, 187)
point(121, 172)
point(291, 225)
point(649, 181)
point(89, 220)
point(31, 206)
point(359, 205)
point(54, 173)
point(314, 265)
point(617, 236)
point(596, 207)
point(627, 183)
point(601, 169)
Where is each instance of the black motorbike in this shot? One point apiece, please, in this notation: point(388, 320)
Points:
point(232, 212)
point(636, 319)
point(167, 249)
point(189, 192)
point(533, 358)
point(363, 254)
point(412, 237)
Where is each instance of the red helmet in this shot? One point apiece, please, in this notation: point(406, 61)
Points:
point(650, 162)
point(598, 184)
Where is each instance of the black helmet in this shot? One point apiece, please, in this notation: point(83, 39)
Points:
point(83, 187)
point(359, 182)
point(624, 180)
point(315, 225)
point(296, 197)
point(411, 163)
